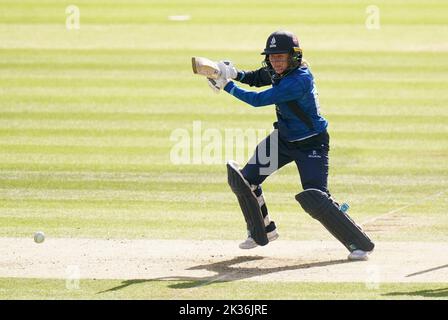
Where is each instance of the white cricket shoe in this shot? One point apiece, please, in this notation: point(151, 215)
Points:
point(250, 243)
point(359, 255)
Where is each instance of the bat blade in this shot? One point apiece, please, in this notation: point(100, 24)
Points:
point(205, 67)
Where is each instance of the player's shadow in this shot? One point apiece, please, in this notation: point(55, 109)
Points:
point(430, 293)
point(226, 271)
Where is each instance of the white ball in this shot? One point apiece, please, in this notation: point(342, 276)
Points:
point(39, 237)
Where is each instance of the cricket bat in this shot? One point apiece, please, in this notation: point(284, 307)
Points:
point(205, 67)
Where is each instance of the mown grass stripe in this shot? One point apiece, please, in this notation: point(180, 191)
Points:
point(86, 116)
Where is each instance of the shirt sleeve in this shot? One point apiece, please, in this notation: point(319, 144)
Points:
point(286, 90)
point(257, 78)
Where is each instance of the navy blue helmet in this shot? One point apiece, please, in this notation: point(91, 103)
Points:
point(282, 42)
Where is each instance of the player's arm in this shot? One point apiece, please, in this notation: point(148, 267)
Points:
point(257, 78)
point(287, 90)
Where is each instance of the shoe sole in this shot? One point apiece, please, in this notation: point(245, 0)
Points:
point(358, 258)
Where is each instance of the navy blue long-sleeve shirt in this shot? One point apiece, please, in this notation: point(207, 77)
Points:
point(297, 87)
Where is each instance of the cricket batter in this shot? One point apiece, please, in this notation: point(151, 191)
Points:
point(300, 135)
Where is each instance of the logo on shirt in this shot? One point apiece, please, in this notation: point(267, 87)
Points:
point(273, 44)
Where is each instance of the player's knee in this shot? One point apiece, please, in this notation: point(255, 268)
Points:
point(314, 201)
point(251, 175)
point(315, 184)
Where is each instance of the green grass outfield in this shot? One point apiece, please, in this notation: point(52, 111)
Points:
point(86, 118)
point(195, 290)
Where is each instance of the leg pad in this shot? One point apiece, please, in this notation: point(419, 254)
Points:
point(248, 204)
point(322, 208)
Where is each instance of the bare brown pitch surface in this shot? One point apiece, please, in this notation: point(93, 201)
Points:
point(305, 261)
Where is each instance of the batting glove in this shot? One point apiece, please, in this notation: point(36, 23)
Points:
point(217, 84)
point(227, 72)
point(227, 69)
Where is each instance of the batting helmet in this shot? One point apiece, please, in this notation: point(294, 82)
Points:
point(283, 42)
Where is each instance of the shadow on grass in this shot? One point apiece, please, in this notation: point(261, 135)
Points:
point(434, 293)
point(226, 272)
point(427, 270)
point(430, 293)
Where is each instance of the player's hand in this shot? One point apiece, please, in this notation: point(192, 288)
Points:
point(226, 72)
point(217, 84)
point(227, 69)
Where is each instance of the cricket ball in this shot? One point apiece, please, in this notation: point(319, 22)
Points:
point(39, 237)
